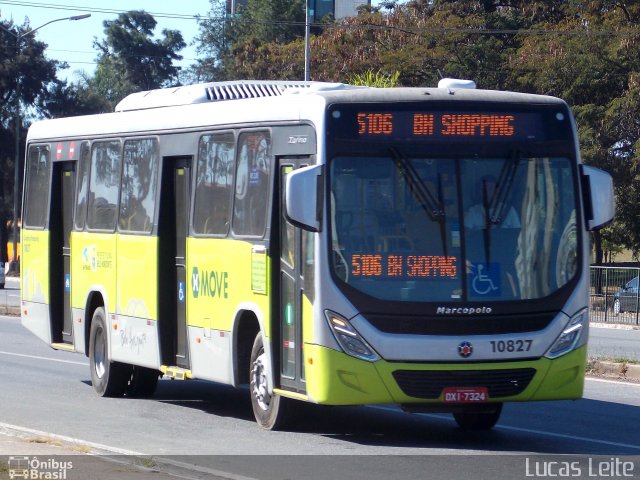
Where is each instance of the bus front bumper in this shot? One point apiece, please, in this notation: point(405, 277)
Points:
point(334, 378)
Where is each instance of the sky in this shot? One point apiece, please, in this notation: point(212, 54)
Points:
point(72, 41)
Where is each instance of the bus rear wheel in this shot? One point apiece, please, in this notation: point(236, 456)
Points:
point(109, 379)
point(483, 419)
point(272, 411)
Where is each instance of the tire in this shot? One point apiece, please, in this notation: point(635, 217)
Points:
point(484, 419)
point(272, 412)
point(142, 382)
point(1, 286)
point(109, 379)
point(617, 310)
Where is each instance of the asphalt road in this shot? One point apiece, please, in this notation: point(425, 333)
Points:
point(208, 425)
point(10, 294)
point(620, 343)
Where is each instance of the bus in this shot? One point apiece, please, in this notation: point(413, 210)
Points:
point(315, 242)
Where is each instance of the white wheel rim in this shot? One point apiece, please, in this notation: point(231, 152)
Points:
point(259, 388)
point(99, 354)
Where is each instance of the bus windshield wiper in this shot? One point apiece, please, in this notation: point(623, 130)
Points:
point(496, 209)
point(433, 205)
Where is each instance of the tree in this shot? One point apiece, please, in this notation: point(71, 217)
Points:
point(589, 57)
point(377, 79)
point(231, 45)
point(70, 99)
point(24, 77)
point(131, 60)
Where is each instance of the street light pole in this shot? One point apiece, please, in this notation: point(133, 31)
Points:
point(307, 34)
point(13, 265)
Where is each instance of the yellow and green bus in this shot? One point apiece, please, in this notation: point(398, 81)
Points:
point(318, 242)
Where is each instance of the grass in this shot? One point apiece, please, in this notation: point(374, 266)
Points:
point(82, 448)
point(625, 361)
point(611, 367)
point(146, 462)
point(47, 440)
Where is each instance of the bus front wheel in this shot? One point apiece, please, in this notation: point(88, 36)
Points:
point(272, 411)
point(483, 419)
point(109, 379)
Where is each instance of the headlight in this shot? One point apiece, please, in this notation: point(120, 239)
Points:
point(571, 337)
point(349, 339)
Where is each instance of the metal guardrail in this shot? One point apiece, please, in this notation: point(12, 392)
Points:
point(612, 299)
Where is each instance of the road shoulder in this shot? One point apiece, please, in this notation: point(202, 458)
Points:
point(50, 456)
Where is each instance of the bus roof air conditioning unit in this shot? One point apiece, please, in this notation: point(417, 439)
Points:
point(215, 92)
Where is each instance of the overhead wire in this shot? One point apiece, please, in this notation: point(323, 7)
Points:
point(415, 31)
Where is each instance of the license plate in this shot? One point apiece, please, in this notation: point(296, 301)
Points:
point(465, 394)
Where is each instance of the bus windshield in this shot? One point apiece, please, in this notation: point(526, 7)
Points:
point(449, 230)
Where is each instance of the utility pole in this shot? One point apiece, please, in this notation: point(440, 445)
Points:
point(307, 34)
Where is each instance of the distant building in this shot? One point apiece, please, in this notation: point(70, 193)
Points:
point(319, 8)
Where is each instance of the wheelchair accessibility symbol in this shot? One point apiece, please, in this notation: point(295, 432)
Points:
point(181, 291)
point(485, 279)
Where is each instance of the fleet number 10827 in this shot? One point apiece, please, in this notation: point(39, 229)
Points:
point(510, 346)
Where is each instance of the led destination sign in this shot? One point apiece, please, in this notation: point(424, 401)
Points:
point(447, 125)
point(403, 266)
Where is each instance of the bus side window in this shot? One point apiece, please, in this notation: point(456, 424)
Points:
point(139, 179)
point(83, 186)
point(214, 184)
point(252, 184)
point(104, 185)
point(37, 194)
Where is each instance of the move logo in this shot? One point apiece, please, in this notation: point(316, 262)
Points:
point(209, 284)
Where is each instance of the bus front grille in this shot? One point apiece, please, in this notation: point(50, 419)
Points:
point(430, 383)
point(460, 325)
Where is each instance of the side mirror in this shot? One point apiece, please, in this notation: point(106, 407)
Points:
point(599, 201)
point(304, 197)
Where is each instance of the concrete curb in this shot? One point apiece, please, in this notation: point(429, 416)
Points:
point(86, 460)
point(10, 311)
point(620, 371)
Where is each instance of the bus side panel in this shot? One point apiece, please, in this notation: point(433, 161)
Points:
point(93, 269)
point(135, 340)
point(219, 283)
point(35, 283)
point(79, 291)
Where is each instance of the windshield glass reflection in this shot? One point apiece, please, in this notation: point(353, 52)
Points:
point(427, 229)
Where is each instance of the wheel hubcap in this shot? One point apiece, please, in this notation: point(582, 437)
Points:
point(99, 354)
point(259, 383)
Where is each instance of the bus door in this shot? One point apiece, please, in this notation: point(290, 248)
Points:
point(291, 299)
point(173, 231)
point(60, 226)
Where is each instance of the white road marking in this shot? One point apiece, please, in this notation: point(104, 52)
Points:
point(48, 359)
point(569, 437)
point(541, 432)
point(24, 432)
point(616, 382)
